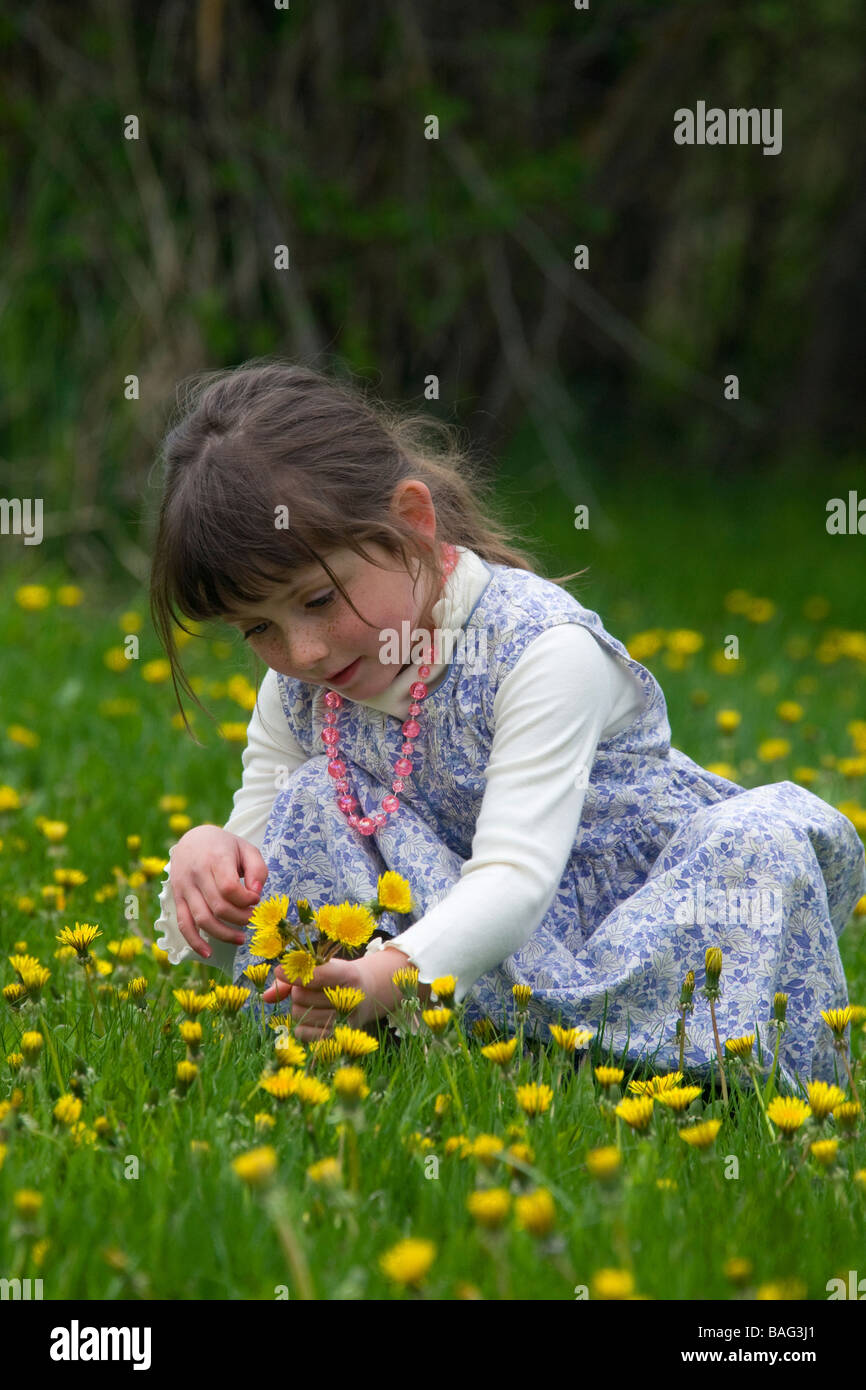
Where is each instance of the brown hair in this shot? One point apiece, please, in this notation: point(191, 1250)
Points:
point(269, 434)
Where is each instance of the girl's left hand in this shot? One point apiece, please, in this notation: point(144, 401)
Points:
point(313, 1014)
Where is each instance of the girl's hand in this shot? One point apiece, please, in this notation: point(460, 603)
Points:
point(312, 1012)
point(205, 870)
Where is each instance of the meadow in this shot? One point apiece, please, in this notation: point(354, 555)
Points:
point(141, 1160)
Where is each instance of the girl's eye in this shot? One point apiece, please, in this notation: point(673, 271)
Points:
point(321, 602)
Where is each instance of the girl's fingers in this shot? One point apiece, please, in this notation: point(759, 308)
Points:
point(188, 929)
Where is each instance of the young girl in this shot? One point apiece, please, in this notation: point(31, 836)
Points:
point(522, 780)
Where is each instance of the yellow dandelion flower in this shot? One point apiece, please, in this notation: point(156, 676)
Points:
point(847, 1115)
point(256, 1167)
point(678, 1097)
point(443, 987)
point(486, 1148)
point(394, 893)
point(67, 1109)
point(355, 1043)
point(269, 942)
point(442, 1105)
point(270, 912)
point(190, 1031)
point(524, 1153)
point(344, 998)
point(229, 999)
point(81, 937)
point(637, 1111)
point(612, 1284)
point(533, 1098)
point(289, 1051)
point(738, 1270)
point(263, 1120)
point(326, 1049)
point(27, 1203)
point(604, 1162)
point(350, 1084)
point(701, 1135)
point(15, 1060)
point(656, 1084)
point(500, 1052)
point(31, 1045)
point(280, 1084)
point(311, 1091)
point(824, 1151)
point(837, 1020)
point(858, 1014)
point(258, 974)
point(185, 1074)
point(788, 1113)
point(489, 1206)
point(790, 711)
point(32, 597)
point(823, 1098)
point(522, 995)
point(741, 1047)
point(609, 1076)
point(53, 830)
point(191, 1003)
point(713, 962)
point(298, 965)
point(406, 980)
point(535, 1211)
point(728, 720)
point(351, 925)
point(770, 750)
point(571, 1039)
point(408, 1261)
point(14, 994)
point(782, 1289)
point(437, 1020)
point(9, 798)
point(326, 1171)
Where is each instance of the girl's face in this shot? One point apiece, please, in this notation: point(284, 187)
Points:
point(305, 628)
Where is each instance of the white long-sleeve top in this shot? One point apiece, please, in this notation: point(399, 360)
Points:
point(565, 693)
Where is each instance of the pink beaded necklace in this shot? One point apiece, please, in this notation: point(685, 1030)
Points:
point(368, 825)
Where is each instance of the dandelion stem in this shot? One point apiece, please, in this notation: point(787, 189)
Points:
point(719, 1052)
point(772, 1081)
point(753, 1072)
point(300, 1269)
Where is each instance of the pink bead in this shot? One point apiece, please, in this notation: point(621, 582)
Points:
point(330, 716)
point(423, 672)
point(403, 767)
point(333, 700)
point(418, 690)
point(397, 784)
point(342, 785)
point(390, 804)
point(353, 820)
point(411, 728)
point(330, 736)
point(379, 820)
point(337, 767)
point(366, 826)
point(414, 709)
point(347, 803)
point(408, 749)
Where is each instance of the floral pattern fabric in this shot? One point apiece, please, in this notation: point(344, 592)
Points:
point(668, 859)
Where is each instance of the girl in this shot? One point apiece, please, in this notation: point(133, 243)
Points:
point(522, 779)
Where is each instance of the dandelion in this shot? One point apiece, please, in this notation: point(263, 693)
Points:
point(81, 937)
point(31, 1046)
point(535, 1211)
point(192, 1003)
point(652, 1087)
point(437, 1020)
point(258, 974)
point(190, 1031)
point(790, 711)
point(269, 920)
point(837, 1021)
point(355, 1043)
point(741, 1047)
point(782, 1289)
point(524, 1153)
point(824, 1151)
point(34, 979)
point(326, 1050)
point(185, 1075)
point(15, 1060)
point(788, 1113)
point(229, 999)
point(406, 980)
point(533, 1098)
point(256, 1167)
point(280, 1084)
point(612, 1284)
point(14, 994)
point(443, 987)
point(823, 1098)
point(350, 925)
point(393, 893)
point(678, 1098)
point(326, 1171)
point(67, 1109)
point(344, 999)
point(27, 1203)
point(701, 1135)
point(489, 1206)
point(500, 1052)
point(263, 1120)
point(737, 1270)
point(136, 990)
point(571, 1039)
point(728, 720)
point(486, 1148)
point(608, 1077)
point(310, 1091)
point(847, 1115)
point(522, 995)
point(299, 965)
point(350, 1084)
point(289, 1051)
point(780, 1007)
point(442, 1105)
point(408, 1261)
point(637, 1111)
point(604, 1162)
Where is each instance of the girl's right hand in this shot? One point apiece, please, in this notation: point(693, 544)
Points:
point(205, 871)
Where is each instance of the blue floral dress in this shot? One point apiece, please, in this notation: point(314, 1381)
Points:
point(668, 859)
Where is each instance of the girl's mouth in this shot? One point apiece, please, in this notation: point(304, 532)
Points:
point(341, 677)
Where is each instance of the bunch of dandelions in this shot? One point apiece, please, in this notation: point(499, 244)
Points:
point(712, 991)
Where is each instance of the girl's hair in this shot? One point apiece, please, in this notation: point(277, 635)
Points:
point(269, 465)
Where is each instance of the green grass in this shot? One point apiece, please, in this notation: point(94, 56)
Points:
point(186, 1226)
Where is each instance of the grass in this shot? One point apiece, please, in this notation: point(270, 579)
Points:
point(140, 1213)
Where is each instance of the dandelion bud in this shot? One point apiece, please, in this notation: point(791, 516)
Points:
point(780, 1007)
point(688, 988)
point(713, 965)
point(31, 1046)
